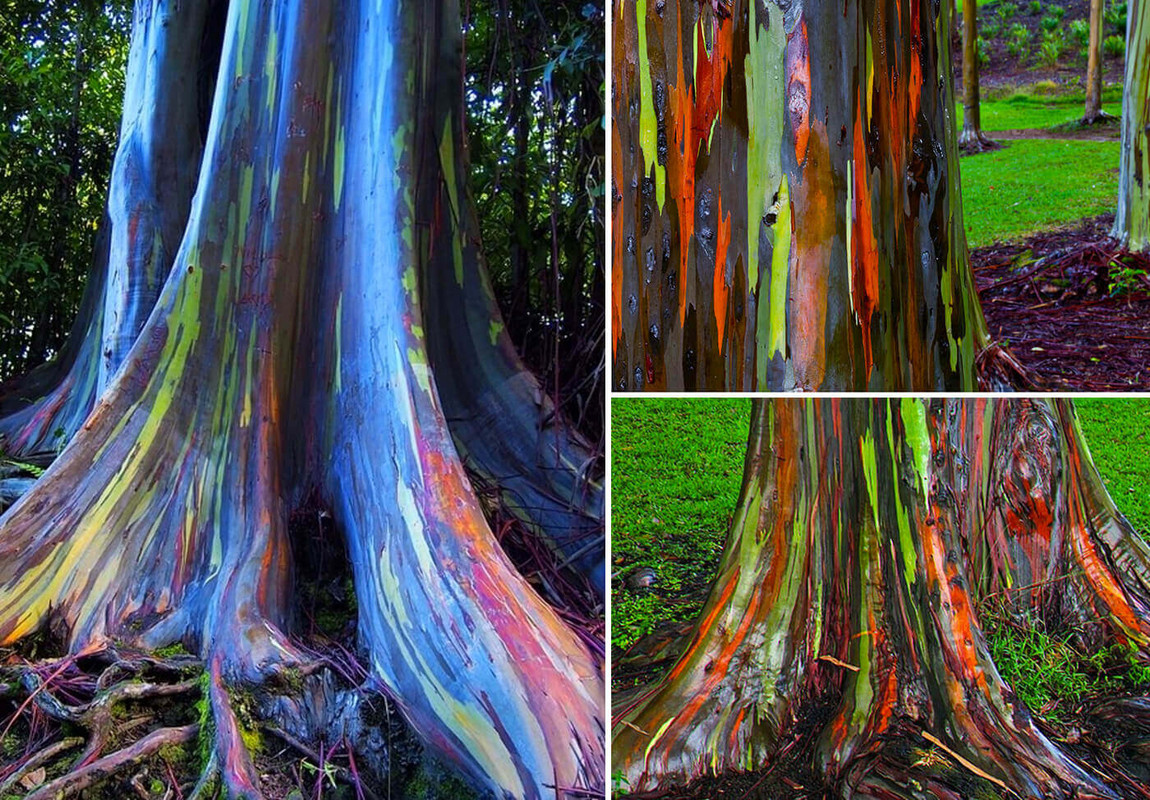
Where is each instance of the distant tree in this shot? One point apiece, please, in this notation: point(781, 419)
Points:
point(1094, 111)
point(971, 138)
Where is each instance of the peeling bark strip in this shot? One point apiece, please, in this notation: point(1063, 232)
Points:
point(1132, 220)
point(285, 350)
point(866, 534)
point(786, 208)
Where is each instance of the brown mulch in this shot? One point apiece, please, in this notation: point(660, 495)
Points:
point(1052, 301)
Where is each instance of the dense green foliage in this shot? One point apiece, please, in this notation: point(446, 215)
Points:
point(676, 469)
point(535, 92)
point(60, 95)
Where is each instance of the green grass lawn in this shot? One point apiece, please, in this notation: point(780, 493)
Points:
point(677, 466)
point(1118, 433)
point(1026, 110)
point(1036, 184)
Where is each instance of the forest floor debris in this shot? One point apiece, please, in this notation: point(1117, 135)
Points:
point(1070, 306)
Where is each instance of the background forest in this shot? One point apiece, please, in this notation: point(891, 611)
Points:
point(535, 132)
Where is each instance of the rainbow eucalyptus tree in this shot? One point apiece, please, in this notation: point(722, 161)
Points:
point(292, 301)
point(786, 206)
point(867, 534)
point(1132, 220)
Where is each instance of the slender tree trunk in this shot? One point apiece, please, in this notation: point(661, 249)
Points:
point(1132, 221)
point(971, 137)
point(866, 536)
point(1093, 111)
point(288, 350)
point(786, 202)
point(153, 177)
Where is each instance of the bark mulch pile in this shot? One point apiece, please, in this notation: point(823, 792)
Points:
point(1071, 307)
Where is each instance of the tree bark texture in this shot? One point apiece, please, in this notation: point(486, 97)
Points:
point(786, 206)
point(1132, 220)
point(971, 136)
point(866, 536)
point(287, 350)
point(1093, 110)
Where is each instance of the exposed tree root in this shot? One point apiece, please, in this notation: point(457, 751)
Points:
point(114, 712)
point(76, 781)
point(971, 143)
point(1100, 118)
point(998, 371)
point(37, 760)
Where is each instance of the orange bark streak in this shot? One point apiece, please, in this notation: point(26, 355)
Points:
point(915, 96)
point(709, 77)
point(681, 157)
point(706, 625)
point(813, 200)
point(799, 89)
point(718, 669)
point(694, 109)
point(721, 289)
point(864, 296)
point(1098, 574)
point(735, 729)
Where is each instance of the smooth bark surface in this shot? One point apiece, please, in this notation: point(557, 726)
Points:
point(866, 535)
point(971, 137)
point(1093, 110)
point(286, 352)
point(785, 199)
point(1132, 220)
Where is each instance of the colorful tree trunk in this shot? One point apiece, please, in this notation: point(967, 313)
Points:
point(1132, 221)
point(153, 178)
point(1093, 111)
point(287, 351)
point(785, 199)
point(971, 137)
point(866, 536)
